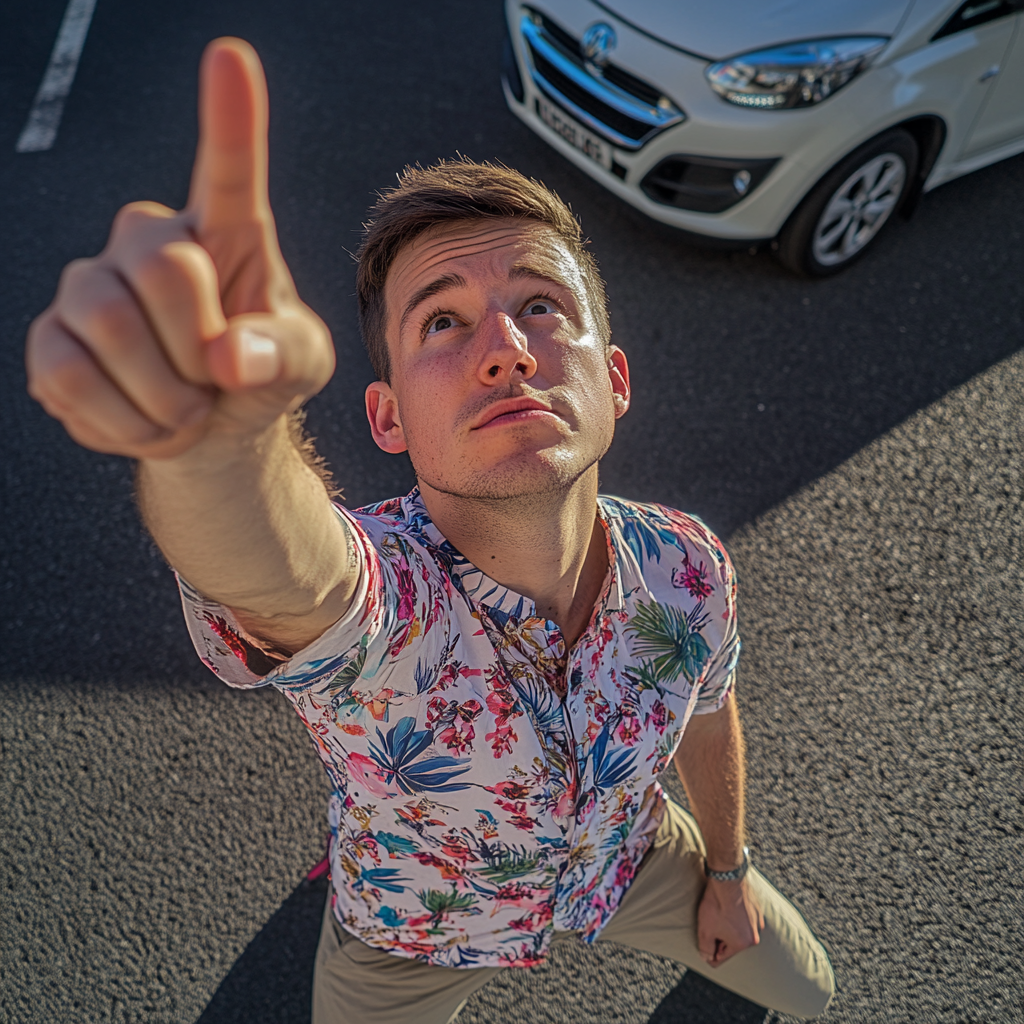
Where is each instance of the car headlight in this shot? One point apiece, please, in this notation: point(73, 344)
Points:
point(793, 75)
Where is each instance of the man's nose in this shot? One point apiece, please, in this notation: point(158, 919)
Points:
point(506, 352)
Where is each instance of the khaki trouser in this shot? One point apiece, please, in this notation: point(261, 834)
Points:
point(788, 970)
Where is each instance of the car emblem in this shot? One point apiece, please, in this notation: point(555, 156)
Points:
point(598, 42)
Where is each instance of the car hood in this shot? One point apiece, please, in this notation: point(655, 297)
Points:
point(738, 26)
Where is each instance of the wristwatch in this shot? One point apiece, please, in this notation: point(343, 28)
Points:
point(730, 876)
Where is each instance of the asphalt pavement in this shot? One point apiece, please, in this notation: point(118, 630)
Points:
point(857, 441)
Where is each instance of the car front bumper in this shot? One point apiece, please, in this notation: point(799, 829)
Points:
point(798, 146)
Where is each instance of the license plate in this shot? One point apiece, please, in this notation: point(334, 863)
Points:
point(573, 133)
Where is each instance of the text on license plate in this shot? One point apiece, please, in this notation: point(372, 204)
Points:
point(572, 132)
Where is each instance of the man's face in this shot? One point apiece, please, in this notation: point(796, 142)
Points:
point(500, 386)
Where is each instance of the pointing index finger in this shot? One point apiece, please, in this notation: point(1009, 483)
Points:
point(229, 179)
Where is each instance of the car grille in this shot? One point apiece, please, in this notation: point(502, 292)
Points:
point(612, 101)
point(608, 117)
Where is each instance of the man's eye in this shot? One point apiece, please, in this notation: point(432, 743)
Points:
point(442, 323)
point(539, 307)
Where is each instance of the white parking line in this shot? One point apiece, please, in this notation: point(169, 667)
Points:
point(40, 129)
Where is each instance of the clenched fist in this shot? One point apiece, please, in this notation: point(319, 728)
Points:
point(187, 326)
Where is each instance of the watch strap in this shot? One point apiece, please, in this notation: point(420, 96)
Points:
point(730, 876)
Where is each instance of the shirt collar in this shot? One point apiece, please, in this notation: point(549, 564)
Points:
point(480, 588)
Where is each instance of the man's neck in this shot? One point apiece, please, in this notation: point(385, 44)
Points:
point(549, 547)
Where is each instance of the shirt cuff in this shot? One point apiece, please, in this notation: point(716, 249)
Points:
point(244, 662)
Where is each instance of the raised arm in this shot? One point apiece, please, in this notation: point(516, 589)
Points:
point(184, 345)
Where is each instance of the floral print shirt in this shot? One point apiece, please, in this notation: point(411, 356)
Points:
point(491, 786)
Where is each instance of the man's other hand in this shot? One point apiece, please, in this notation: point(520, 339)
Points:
point(187, 325)
point(728, 920)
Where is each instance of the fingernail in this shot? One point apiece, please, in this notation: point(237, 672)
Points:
point(259, 361)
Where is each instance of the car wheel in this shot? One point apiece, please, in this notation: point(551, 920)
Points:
point(844, 213)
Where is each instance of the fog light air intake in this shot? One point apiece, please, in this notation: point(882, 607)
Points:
point(705, 184)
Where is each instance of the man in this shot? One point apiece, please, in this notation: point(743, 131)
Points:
point(494, 669)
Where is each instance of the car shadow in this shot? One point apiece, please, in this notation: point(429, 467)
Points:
point(272, 979)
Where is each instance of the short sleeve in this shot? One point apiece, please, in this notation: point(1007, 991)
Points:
point(243, 662)
point(719, 675)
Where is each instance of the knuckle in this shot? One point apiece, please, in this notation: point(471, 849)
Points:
point(35, 339)
point(186, 257)
point(49, 358)
point(153, 270)
point(70, 381)
point(76, 276)
point(135, 216)
point(84, 285)
point(112, 323)
point(171, 266)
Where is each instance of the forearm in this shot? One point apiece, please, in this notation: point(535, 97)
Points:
point(249, 524)
point(710, 762)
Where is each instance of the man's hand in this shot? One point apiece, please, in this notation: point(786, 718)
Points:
point(185, 345)
point(728, 920)
point(187, 326)
point(710, 762)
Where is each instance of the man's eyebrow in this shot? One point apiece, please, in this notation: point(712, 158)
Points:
point(442, 284)
point(523, 270)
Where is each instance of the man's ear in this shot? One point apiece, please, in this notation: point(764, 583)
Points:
point(618, 374)
point(385, 423)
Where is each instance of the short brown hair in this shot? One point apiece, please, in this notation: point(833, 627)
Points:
point(454, 190)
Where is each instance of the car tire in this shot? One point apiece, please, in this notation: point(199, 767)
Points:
point(844, 213)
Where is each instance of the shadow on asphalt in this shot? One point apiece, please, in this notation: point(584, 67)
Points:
point(697, 1000)
point(272, 979)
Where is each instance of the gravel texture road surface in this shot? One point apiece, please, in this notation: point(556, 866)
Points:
point(857, 442)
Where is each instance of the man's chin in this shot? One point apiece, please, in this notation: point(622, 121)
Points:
point(513, 479)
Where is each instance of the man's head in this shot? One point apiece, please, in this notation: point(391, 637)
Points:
point(485, 318)
point(447, 192)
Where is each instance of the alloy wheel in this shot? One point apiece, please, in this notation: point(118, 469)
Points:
point(858, 209)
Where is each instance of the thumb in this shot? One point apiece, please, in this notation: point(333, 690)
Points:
point(281, 355)
point(244, 357)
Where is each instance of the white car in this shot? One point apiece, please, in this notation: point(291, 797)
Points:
point(807, 124)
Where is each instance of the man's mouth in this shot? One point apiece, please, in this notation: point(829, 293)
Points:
point(512, 410)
